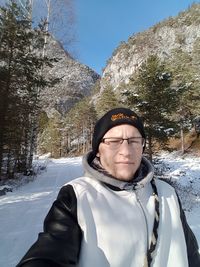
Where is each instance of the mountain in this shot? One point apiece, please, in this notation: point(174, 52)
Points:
point(175, 40)
point(165, 39)
point(76, 80)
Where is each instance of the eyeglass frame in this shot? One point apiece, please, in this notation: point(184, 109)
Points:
point(122, 140)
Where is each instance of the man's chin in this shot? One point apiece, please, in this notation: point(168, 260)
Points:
point(126, 178)
point(125, 174)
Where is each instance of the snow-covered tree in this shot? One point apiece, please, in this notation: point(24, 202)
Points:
point(21, 81)
point(58, 17)
point(150, 93)
point(106, 101)
point(79, 125)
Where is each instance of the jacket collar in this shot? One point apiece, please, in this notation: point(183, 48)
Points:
point(111, 181)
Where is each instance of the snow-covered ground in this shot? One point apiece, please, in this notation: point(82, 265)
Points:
point(23, 210)
point(184, 173)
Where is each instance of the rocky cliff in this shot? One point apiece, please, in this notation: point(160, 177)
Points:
point(76, 80)
point(180, 32)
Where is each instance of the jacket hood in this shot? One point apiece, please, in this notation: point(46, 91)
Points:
point(95, 174)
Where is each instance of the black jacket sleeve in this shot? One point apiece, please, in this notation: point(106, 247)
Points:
point(59, 244)
point(191, 242)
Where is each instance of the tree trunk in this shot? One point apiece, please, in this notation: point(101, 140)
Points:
point(182, 141)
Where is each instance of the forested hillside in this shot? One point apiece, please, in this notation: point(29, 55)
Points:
point(39, 83)
point(49, 101)
point(156, 72)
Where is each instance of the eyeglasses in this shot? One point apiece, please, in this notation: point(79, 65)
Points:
point(115, 142)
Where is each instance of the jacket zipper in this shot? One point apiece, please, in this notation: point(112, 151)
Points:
point(147, 230)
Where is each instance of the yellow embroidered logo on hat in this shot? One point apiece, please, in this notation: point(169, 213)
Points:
point(121, 116)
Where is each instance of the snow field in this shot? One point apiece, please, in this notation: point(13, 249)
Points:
point(22, 212)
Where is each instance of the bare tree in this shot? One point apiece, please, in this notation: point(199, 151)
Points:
point(57, 15)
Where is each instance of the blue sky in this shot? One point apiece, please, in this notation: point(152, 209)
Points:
point(102, 24)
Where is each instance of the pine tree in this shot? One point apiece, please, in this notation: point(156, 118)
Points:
point(79, 125)
point(21, 80)
point(106, 101)
point(151, 94)
point(185, 68)
point(51, 137)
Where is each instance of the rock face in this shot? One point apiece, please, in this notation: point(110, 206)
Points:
point(76, 81)
point(175, 33)
point(181, 32)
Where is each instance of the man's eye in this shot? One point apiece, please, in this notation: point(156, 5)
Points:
point(115, 141)
point(134, 141)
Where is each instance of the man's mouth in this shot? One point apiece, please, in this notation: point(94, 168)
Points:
point(125, 162)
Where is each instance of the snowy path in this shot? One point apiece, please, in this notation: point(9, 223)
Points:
point(22, 212)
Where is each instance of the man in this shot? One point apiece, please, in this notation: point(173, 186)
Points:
point(117, 215)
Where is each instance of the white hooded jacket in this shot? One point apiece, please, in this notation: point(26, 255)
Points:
point(99, 221)
point(118, 224)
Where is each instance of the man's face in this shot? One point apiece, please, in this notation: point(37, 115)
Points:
point(122, 161)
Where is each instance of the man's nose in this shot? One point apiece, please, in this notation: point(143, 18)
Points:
point(125, 148)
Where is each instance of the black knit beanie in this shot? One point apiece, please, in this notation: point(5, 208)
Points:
point(114, 117)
